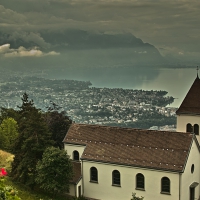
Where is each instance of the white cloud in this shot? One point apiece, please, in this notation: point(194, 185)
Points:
point(6, 51)
point(4, 48)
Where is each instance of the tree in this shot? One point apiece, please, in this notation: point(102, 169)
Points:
point(54, 171)
point(58, 124)
point(32, 140)
point(8, 133)
point(8, 113)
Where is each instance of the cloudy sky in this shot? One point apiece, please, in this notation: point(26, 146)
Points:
point(172, 26)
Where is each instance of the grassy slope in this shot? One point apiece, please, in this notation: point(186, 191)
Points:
point(23, 192)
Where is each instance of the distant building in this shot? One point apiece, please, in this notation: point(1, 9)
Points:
point(111, 162)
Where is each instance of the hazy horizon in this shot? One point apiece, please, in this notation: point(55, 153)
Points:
point(109, 41)
point(50, 28)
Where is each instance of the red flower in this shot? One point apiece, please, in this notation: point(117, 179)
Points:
point(3, 172)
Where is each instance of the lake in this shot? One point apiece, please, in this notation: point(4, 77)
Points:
point(175, 81)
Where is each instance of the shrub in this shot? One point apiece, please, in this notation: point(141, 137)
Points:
point(7, 192)
point(136, 198)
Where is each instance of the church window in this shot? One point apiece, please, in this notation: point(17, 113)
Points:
point(165, 185)
point(189, 128)
point(93, 174)
point(192, 168)
point(76, 155)
point(139, 181)
point(196, 129)
point(116, 177)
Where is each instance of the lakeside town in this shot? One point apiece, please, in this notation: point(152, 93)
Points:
point(87, 104)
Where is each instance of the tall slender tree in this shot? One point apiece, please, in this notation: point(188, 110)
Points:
point(31, 142)
point(58, 124)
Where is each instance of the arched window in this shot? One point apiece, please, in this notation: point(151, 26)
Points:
point(196, 129)
point(115, 177)
point(140, 181)
point(93, 174)
point(165, 185)
point(189, 128)
point(76, 155)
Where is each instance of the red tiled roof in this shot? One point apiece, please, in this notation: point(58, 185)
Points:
point(191, 103)
point(77, 172)
point(135, 147)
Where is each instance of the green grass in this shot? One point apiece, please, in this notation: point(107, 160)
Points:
point(24, 192)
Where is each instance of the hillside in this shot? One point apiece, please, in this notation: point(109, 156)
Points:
point(24, 192)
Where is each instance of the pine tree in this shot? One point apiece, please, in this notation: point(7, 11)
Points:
point(58, 124)
point(31, 142)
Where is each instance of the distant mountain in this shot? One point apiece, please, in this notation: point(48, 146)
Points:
point(78, 39)
point(118, 46)
point(80, 48)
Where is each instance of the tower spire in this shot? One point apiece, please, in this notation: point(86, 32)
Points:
point(197, 72)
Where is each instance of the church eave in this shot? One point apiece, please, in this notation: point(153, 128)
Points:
point(136, 166)
point(187, 113)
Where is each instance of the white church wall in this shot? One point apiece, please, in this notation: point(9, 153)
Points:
point(183, 120)
point(72, 191)
point(105, 191)
point(72, 147)
point(77, 188)
point(187, 178)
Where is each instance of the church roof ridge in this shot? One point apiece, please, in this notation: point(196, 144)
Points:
point(191, 102)
point(134, 147)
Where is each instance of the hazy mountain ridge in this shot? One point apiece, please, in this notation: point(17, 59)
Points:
point(82, 49)
point(118, 48)
point(79, 39)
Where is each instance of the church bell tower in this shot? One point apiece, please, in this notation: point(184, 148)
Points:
point(188, 114)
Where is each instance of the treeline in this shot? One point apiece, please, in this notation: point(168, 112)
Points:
point(146, 123)
point(26, 83)
point(35, 138)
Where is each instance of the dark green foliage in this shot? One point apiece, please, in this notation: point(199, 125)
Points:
point(7, 192)
point(58, 124)
point(54, 171)
point(31, 142)
point(8, 113)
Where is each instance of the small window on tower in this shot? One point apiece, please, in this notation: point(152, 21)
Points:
point(189, 128)
point(196, 129)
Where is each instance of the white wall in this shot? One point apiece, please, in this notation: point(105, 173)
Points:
point(72, 191)
point(79, 184)
point(72, 147)
point(187, 178)
point(105, 191)
point(183, 120)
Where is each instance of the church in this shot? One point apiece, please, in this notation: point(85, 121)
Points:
point(111, 163)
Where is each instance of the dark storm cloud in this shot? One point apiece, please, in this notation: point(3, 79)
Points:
point(173, 25)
